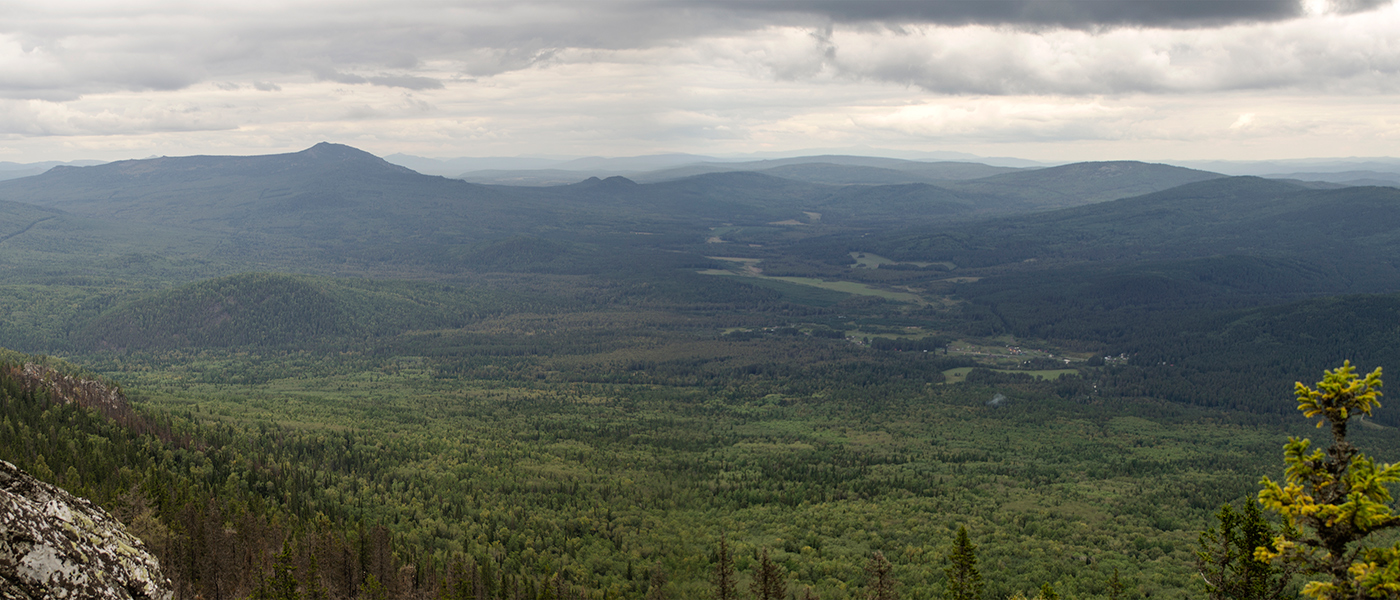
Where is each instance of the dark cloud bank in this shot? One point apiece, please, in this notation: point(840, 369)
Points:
point(1059, 13)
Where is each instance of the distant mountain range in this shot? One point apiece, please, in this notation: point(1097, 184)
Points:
point(13, 170)
point(452, 167)
point(332, 209)
point(1293, 167)
point(1114, 252)
point(908, 167)
point(1219, 216)
point(608, 166)
point(835, 170)
point(1350, 178)
point(853, 168)
point(1150, 266)
point(335, 205)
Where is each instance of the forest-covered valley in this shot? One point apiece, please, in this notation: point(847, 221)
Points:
point(408, 386)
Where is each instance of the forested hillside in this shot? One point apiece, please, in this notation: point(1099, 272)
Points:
point(406, 386)
point(592, 480)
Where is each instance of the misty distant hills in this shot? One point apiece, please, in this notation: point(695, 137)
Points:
point(1349, 178)
point(332, 208)
point(13, 170)
point(535, 177)
point(839, 170)
point(332, 200)
point(354, 203)
point(832, 170)
point(208, 189)
point(1083, 183)
point(836, 174)
point(649, 162)
point(452, 167)
point(1236, 215)
point(1093, 250)
point(1030, 190)
point(837, 191)
point(479, 169)
point(765, 196)
point(575, 168)
point(1288, 168)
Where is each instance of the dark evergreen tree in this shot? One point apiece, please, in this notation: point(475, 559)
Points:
point(372, 589)
point(282, 584)
point(879, 578)
point(315, 588)
point(1226, 558)
point(656, 587)
point(769, 579)
point(964, 581)
point(1116, 589)
point(725, 584)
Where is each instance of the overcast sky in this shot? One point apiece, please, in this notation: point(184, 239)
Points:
point(1040, 79)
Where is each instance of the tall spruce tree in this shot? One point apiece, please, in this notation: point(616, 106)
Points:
point(1333, 501)
point(725, 583)
point(879, 579)
point(1226, 561)
point(964, 581)
point(315, 588)
point(282, 584)
point(769, 579)
point(372, 589)
point(1116, 588)
point(656, 587)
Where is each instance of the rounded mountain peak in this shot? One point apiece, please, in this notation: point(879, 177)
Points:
point(333, 150)
point(328, 153)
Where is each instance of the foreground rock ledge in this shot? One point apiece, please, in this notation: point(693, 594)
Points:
point(54, 545)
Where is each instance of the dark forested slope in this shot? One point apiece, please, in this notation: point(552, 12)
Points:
point(335, 197)
point(276, 310)
point(1133, 273)
point(1235, 216)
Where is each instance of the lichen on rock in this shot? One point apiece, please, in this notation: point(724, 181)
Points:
point(54, 545)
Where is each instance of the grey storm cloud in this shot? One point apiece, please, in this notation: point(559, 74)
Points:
point(1060, 13)
point(421, 45)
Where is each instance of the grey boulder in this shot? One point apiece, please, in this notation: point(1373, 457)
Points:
point(54, 545)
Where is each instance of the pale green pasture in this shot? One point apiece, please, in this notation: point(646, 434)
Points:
point(959, 374)
point(849, 287)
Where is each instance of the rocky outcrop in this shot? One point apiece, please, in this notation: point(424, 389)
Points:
point(56, 546)
point(88, 392)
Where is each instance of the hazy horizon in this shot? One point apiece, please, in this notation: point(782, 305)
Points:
point(555, 161)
